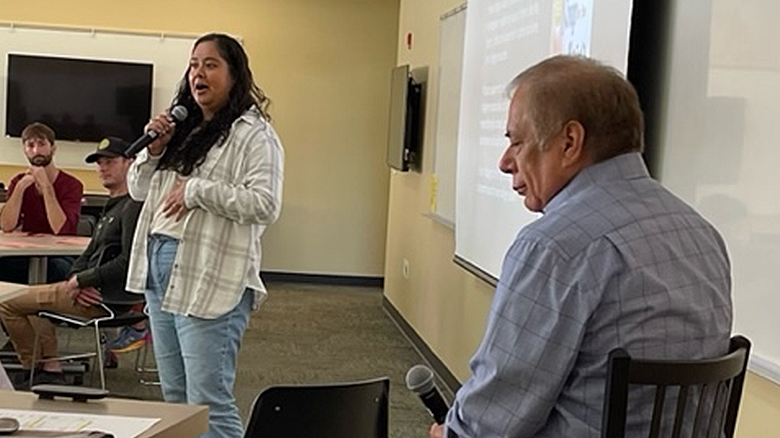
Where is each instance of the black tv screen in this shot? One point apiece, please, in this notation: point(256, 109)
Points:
point(396, 136)
point(403, 138)
point(81, 99)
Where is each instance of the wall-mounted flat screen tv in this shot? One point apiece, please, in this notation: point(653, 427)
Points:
point(81, 99)
point(403, 128)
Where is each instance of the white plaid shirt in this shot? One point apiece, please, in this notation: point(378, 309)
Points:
point(232, 197)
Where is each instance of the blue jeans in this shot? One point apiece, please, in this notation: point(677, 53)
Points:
point(196, 357)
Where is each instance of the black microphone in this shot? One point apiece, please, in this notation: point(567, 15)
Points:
point(419, 379)
point(179, 113)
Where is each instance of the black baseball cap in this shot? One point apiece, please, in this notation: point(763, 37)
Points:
point(109, 147)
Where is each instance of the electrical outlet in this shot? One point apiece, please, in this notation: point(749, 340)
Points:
point(405, 269)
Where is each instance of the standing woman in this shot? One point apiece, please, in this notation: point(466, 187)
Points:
point(211, 184)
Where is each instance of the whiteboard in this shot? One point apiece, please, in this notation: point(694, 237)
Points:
point(169, 53)
point(452, 30)
point(503, 38)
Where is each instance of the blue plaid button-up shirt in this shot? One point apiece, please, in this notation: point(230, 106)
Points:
point(615, 261)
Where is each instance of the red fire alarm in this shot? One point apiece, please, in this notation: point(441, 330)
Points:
point(409, 41)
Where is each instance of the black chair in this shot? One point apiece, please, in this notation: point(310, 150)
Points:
point(718, 383)
point(118, 300)
point(86, 225)
point(337, 410)
point(111, 320)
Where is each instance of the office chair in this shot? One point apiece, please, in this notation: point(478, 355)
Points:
point(718, 383)
point(334, 410)
point(141, 359)
point(123, 300)
point(86, 225)
point(110, 320)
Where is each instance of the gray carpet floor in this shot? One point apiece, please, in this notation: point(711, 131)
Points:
point(311, 334)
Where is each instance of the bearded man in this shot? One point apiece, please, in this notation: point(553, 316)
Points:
point(41, 199)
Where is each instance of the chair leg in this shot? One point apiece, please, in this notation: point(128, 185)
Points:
point(67, 343)
point(141, 356)
point(34, 358)
point(140, 364)
point(99, 356)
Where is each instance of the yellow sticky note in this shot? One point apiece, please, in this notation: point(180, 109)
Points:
point(434, 192)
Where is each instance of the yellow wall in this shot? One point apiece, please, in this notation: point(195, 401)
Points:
point(759, 416)
point(446, 306)
point(326, 66)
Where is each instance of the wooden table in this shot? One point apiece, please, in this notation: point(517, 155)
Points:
point(38, 247)
point(176, 420)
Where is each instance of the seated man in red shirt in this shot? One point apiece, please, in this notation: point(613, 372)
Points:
point(41, 199)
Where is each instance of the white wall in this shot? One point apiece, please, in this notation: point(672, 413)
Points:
point(169, 56)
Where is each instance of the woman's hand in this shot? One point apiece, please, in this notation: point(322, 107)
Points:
point(164, 126)
point(174, 202)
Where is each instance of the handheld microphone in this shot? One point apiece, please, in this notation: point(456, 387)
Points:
point(178, 113)
point(419, 379)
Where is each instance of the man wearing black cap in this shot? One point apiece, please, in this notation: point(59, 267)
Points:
point(88, 282)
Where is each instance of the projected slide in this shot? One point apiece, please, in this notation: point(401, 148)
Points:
point(503, 37)
point(572, 21)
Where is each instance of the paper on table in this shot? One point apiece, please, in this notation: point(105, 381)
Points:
point(70, 240)
point(22, 244)
point(119, 426)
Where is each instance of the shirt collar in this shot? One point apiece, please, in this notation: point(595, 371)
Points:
point(250, 115)
point(622, 167)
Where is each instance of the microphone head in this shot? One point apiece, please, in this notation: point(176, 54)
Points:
point(419, 379)
point(179, 113)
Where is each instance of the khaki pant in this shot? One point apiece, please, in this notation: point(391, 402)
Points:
point(19, 318)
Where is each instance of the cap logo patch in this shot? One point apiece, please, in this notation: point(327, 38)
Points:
point(104, 143)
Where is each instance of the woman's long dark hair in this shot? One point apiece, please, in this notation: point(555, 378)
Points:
point(188, 147)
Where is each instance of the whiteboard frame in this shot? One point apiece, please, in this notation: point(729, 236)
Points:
point(435, 214)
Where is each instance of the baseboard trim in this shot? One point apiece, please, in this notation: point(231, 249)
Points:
point(451, 383)
point(334, 280)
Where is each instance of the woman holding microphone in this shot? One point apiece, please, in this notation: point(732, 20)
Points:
point(211, 184)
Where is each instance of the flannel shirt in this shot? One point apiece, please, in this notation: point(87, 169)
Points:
point(232, 197)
